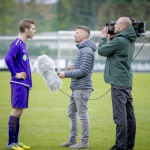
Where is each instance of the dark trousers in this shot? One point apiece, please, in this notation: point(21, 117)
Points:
point(123, 115)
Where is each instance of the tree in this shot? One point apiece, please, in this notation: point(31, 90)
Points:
point(7, 21)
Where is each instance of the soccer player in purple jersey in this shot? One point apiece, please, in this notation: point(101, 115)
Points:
point(17, 60)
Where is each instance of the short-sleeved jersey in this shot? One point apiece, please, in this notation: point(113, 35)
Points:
point(17, 60)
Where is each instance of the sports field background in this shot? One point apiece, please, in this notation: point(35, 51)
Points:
point(45, 124)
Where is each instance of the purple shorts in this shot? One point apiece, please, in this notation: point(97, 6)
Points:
point(19, 96)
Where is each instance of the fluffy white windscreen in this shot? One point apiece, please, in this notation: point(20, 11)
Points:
point(46, 67)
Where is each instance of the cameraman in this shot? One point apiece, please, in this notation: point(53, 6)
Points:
point(118, 72)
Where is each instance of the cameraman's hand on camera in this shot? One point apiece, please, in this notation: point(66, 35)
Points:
point(104, 32)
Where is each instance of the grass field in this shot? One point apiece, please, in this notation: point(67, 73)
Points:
point(45, 124)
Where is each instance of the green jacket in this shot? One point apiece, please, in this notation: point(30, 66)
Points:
point(119, 52)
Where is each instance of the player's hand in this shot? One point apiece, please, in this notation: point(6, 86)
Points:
point(21, 75)
point(62, 75)
point(104, 32)
point(70, 68)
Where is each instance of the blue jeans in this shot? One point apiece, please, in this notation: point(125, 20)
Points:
point(78, 108)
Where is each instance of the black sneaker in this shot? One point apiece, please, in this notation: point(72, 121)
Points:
point(116, 148)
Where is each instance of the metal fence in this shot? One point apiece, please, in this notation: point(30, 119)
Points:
point(61, 47)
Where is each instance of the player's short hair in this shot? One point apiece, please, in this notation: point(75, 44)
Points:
point(26, 23)
point(86, 29)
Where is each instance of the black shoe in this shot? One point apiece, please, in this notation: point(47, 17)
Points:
point(129, 148)
point(116, 148)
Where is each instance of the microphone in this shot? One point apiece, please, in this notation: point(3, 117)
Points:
point(46, 67)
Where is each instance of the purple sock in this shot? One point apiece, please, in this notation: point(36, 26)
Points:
point(12, 129)
point(17, 131)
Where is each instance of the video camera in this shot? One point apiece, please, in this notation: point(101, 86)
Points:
point(139, 27)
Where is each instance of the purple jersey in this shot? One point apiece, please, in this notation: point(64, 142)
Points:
point(17, 60)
